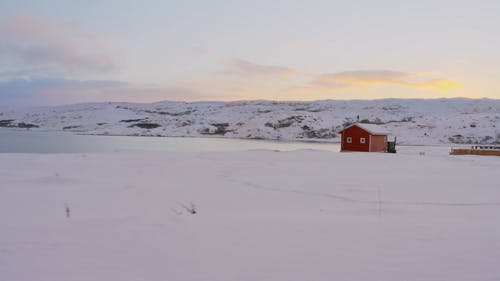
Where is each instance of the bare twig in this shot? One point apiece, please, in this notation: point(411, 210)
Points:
point(191, 209)
point(67, 210)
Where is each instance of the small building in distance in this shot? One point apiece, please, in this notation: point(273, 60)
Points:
point(364, 137)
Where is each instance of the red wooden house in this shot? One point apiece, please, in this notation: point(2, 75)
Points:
point(364, 137)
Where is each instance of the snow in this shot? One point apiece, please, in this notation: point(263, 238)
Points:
point(416, 122)
point(371, 128)
point(261, 215)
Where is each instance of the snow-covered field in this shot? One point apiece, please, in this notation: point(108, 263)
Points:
point(417, 122)
point(261, 215)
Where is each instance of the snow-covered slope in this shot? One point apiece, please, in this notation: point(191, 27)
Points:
point(419, 122)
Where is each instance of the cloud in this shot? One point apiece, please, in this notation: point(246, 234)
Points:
point(363, 81)
point(246, 68)
point(30, 41)
point(364, 78)
point(43, 91)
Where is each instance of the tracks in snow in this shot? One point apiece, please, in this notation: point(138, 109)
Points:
point(228, 176)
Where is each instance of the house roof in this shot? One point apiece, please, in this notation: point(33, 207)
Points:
point(370, 128)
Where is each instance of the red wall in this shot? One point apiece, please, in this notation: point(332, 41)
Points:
point(356, 133)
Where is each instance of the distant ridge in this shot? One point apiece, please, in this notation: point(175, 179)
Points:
point(413, 121)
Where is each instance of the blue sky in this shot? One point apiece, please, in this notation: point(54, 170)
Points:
point(56, 52)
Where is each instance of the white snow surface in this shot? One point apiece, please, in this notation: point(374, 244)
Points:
point(372, 128)
point(261, 215)
point(412, 121)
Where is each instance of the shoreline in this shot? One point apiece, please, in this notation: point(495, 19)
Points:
point(280, 141)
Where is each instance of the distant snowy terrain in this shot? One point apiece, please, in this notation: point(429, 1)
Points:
point(417, 122)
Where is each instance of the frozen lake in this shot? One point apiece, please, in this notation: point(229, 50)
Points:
point(25, 141)
point(20, 141)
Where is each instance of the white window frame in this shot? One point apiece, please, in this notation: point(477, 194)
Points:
point(349, 140)
point(362, 140)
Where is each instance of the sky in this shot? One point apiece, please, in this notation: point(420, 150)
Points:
point(59, 52)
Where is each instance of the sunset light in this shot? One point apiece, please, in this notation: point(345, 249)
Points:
point(257, 140)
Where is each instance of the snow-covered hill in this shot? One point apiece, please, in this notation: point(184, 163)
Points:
point(418, 122)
